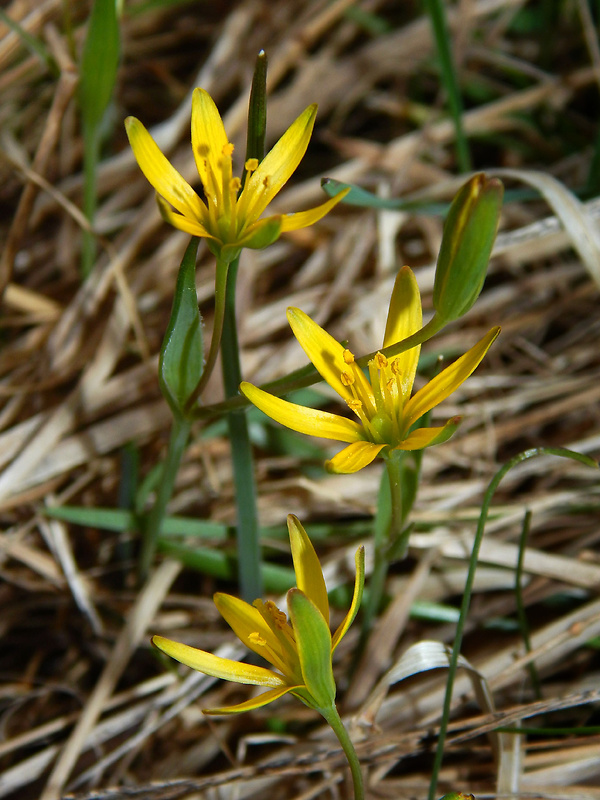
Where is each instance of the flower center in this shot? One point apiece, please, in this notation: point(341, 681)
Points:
point(380, 412)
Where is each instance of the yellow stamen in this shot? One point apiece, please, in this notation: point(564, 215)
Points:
point(257, 639)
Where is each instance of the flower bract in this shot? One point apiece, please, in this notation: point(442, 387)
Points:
point(229, 217)
point(299, 648)
point(385, 412)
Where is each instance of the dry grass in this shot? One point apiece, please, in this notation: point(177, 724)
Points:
point(85, 703)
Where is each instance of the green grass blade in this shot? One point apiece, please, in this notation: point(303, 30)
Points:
point(35, 46)
point(437, 15)
point(466, 602)
point(98, 73)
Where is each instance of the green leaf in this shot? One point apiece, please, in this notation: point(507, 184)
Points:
point(181, 357)
point(257, 111)
point(99, 62)
point(313, 639)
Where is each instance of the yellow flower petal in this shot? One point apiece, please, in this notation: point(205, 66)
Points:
point(302, 219)
point(208, 140)
point(160, 173)
point(405, 318)
point(359, 582)
point(309, 575)
point(249, 626)
point(218, 667)
point(252, 704)
point(354, 457)
point(310, 421)
point(426, 437)
point(277, 166)
point(327, 355)
point(448, 380)
point(186, 224)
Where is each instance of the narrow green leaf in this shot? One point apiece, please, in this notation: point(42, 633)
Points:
point(181, 357)
point(99, 62)
point(33, 44)
point(443, 40)
point(257, 111)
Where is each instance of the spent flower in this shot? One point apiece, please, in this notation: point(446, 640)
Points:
point(230, 216)
point(386, 413)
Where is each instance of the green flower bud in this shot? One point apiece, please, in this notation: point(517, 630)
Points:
point(469, 234)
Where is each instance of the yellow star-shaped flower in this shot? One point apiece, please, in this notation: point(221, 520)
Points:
point(229, 219)
point(382, 403)
point(300, 649)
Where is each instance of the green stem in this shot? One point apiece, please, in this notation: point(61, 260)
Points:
point(222, 272)
point(177, 443)
point(389, 538)
point(378, 577)
point(521, 613)
point(308, 375)
point(397, 536)
point(241, 452)
point(333, 718)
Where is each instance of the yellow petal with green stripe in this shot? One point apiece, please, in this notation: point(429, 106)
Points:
point(249, 626)
point(327, 354)
point(354, 457)
point(208, 141)
point(185, 224)
point(277, 166)
point(310, 421)
point(160, 173)
point(426, 437)
point(309, 575)
point(302, 219)
point(405, 317)
point(250, 705)
point(440, 387)
point(359, 582)
point(216, 666)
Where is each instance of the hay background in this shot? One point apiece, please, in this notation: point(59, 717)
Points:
point(86, 707)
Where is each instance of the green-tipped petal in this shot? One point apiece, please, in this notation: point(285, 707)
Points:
point(208, 140)
point(310, 421)
point(327, 355)
point(160, 173)
point(309, 575)
point(426, 437)
point(262, 233)
point(354, 457)
point(404, 318)
point(313, 639)
point(216, 666)
point(448, 380)
point(246, 621)
point(302, 219)
point(186, 224)
point(359, 582)
point(277, 166)
point(252, 704)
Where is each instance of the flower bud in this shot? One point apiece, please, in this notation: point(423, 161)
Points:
point(469, 233)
